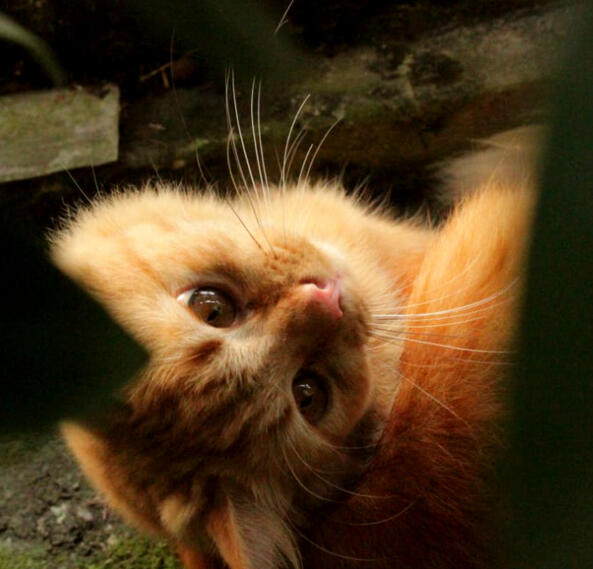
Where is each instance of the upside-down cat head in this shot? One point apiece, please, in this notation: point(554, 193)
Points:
point(266, 390)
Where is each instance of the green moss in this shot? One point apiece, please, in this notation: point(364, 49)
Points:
point(133, 553)
point(11, 558)
point(127, 553)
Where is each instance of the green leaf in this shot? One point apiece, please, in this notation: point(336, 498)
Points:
point(550, 466)
point(60, 352)
point(13, 32)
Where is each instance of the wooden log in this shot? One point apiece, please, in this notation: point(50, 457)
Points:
point(50, 131)
point(399, 103)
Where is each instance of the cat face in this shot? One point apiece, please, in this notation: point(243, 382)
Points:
point(261, 368)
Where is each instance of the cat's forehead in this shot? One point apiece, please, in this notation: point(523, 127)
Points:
point(173, 239)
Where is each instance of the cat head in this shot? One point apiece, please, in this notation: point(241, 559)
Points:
point(262, 373)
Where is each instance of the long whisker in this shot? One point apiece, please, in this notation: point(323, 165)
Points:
point(78, 186)
point(455, 310)
point(335, 553)
point(246, 156)
point(229, 203)
point(293, 149)
point(332, 446)
point(390, 295)
point(376, 522)
point(156, 172)
point(300, 178)
point(236, 214)
point(398, 337)
point(435, 399)
point(231, 138)
point(447, 284)
point(406, 332)
point(302, 484)
point(255, 142)
point(231, 145)
point(333, 125)
point(230, 162)
point(95, 179)
point(332, 485)
point(261, 146)
point(446, 321)
point(456, 316)
point(283, 18)
point(287, 144)
point(240, 132)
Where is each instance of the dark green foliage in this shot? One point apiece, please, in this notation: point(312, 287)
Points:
point(11, 31)
point(61, 354)
point(222, 34)
point(551, 463)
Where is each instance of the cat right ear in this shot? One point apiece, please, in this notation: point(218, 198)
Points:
point(249, 536)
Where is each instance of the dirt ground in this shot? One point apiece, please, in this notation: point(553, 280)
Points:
point(50, 518)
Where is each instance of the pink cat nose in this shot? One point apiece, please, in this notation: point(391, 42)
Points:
point(327, 293)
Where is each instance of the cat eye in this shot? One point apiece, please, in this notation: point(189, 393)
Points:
point(212, 306)
point(310, 395)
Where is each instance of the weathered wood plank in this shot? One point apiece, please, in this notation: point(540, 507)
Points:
point(399, 103)
point(50, 131)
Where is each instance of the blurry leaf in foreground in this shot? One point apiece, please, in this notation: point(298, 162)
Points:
point(225, 33)
point(551, 463)
point(15, 33)
point(61, 354)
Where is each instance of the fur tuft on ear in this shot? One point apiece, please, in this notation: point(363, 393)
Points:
point(250, 536)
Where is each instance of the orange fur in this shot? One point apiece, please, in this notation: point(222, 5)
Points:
point(208, 449)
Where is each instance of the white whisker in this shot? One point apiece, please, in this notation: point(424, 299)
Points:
point(335, 486)
point(435, 399)
point(301, 483)
point(229, 203)
point(78, 186)
point(240, 134)
point(95, 179)
point(407, 332)
point(334, 553)
point(261, 146)
point(448, 321)
point(334, 124)
point(283, 18)
point(283, 172)
point(294, 149)
point(249, 169)
point(377, 522)
point(455, 310)
point(300, 178)
point(398, 337)
point(255, 143)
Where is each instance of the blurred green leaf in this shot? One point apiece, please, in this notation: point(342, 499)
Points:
point(13, 32)
point(60, 353)
point(224, 33)
point(551, 464)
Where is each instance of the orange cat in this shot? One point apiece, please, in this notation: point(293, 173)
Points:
point(325, 381)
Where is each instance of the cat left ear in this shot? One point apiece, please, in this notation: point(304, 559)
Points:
point(249, 536)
